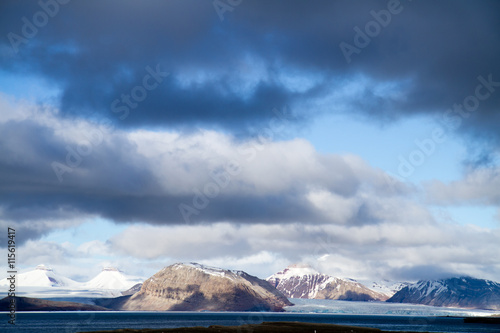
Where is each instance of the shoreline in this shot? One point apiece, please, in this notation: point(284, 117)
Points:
point(264, 327)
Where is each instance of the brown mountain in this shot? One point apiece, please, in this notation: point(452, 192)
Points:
point(194, 287)
point(133, 290)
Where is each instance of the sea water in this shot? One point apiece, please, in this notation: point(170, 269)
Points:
point(71, 322)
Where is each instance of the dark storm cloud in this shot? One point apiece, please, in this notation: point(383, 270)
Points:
point(113, 181)
point(56, 173)
point(422, 272)
point(188, 69)
point(97, 51)
point(53, 170)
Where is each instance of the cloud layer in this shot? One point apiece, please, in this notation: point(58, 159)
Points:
point(230, 73)
point(178, 120)
point(54, 168)
point(204, 194)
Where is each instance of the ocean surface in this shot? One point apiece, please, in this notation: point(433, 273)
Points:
point(70, 322)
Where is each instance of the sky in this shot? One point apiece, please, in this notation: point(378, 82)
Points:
point(358, 137)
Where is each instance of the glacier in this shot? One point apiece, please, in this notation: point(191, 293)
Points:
point(377, 308)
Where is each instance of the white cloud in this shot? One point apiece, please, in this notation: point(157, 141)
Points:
point(284, 203)
point(33, 253)
point(385, 250)
point(338, 208)
point(93, 248)
point(479, 186)
point(181, 242)
point(124, 175)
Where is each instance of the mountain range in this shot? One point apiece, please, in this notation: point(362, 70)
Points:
point(192, 287)
point(460, 292)
point(42, 276)
point(44, 282)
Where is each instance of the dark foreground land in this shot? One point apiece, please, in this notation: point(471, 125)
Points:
point(265, 327)
point(36, 304)
point(483, 320)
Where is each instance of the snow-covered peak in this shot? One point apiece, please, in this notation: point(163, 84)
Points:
point(428, 287)
point(464, 292)
point(295, 270)
point(42, 267)
point(42, 276)
point(113, 279)
point(303, 281)
point(110, 269)
point(456, 285)
point(215, 271)
point(384, 286)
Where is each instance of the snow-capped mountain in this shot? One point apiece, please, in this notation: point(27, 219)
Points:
point(302, 281)
point(112, 278)
point(298, 281)
point(43, 282)
point(462, 292)
point(385, 287)
point(42, 276)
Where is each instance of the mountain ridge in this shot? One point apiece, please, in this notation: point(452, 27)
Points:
point(302, 281)
point(295, 281)
point(194, 287)
point(462, 292)
point(44, 282)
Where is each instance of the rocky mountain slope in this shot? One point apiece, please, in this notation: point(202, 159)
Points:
point(302, 281)
point(194, 287)
point(133, 290)
point(463, 292)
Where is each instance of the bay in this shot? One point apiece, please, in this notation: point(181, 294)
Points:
point(71, 322)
